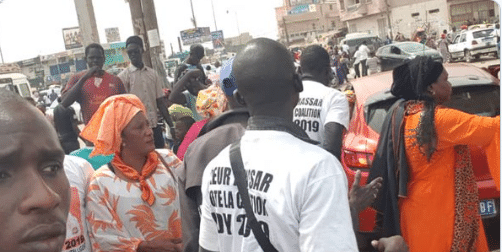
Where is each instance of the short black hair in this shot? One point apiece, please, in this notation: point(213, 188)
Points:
point(96, 46)
point(134, 40)
point(314, 59)
point(187, 120)
point(198, 50)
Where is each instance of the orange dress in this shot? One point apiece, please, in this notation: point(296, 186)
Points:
point(427, 214)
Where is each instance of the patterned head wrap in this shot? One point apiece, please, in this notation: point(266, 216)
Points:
point(211, 101)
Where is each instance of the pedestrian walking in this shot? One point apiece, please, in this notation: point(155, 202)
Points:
point(443, 48)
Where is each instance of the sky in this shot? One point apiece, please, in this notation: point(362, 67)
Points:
point(29, 28)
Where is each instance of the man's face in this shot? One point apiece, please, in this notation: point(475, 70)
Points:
point(135, 53)
point(95, 57)
point(34, 190)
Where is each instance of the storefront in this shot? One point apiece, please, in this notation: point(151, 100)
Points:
point(472, 12)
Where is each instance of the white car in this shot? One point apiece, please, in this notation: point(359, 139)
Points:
point(474, 43)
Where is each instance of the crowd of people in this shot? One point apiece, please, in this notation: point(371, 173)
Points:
point(255, 164)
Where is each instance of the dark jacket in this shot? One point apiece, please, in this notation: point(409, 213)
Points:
point(390, 164)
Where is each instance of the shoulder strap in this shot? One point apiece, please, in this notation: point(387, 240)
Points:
point(240, 179)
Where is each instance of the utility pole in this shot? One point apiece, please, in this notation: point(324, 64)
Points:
point(388, 18)
point(179, 44)
point(153, 38)
point(138, 26)
point(286, 30)
point(87, 22)
point(193, 15)
point(214, 17)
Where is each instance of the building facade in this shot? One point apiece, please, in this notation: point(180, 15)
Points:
point(303, 21)
point(367, 16)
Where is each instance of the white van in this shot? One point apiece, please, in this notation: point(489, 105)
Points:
point(16, 82)
point(354, 40)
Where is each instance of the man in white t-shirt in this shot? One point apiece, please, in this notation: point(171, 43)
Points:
point(364, 52)
point(322, 112)
point(79, 172)
point(298, 190)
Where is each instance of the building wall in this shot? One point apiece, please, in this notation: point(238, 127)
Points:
point(320, 19)
point(402, 20)
point(374, 24)
point(461, 11)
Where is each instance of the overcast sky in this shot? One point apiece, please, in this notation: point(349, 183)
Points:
point(34, 27)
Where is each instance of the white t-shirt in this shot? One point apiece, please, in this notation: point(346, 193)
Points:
point(364, 52)
point(79, 172)
point(357, 57)
point(299, 194)
point(319, 105)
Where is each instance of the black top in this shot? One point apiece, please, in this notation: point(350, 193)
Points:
point(63, 121)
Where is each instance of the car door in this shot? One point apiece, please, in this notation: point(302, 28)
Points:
point(454, 48)
point(462, 44)
point(383, 55)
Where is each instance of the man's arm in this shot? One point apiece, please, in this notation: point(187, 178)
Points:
point(162, 105)
point(70, 96)
point(333, 134)
point(176, 96)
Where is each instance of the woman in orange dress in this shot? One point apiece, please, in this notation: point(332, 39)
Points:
point(438, 205)
point(132, 202)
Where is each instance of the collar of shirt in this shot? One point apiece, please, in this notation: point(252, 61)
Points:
point(134, 68)
point(279, 124)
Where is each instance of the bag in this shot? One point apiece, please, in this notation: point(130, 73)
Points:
point(240, 179)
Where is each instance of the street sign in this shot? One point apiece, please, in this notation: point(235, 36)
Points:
point(195, 35)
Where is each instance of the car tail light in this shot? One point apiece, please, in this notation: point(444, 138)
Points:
point(358, 159)
point(474, 42)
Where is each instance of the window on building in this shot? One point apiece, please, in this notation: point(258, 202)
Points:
point(416, 14)
point(313, 26)
point(330, 7)
point(333, 24)
point(434, 11)
point(358, 1)
point(342, 5)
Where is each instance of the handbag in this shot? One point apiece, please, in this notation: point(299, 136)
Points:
point(240, 179)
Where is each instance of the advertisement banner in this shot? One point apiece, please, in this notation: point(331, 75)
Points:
point(195, 36)
point(112, 35)
point(218, 40)
point(72, 38)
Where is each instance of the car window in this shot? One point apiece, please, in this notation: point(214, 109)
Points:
point(462, 38)
point(384, 50)
point(413, 47)
point(478, 100)
point(482, 33)
point(456, 39)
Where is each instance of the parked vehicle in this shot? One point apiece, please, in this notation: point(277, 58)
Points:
point(472, 44)
point(16, 82)
point(354, 40)
point(475, 91)
point(393, 55)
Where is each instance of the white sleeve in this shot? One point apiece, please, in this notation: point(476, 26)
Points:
point(325, 220)
point(208, 234)
point(79, 172)
point(338, 110)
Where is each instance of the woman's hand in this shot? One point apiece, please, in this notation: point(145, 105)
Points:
point(392, 244)
point(362, 197)
point(172, 245)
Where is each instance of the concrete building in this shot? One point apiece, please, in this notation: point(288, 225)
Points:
point(409, 15)
point(387, 17)
point(476, 11)
point(369, 16)
point(304, 20)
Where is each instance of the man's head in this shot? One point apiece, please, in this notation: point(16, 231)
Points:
point(196, 54)
point(95, 55)
point(182, 125)
point(34, 190)
point(134, 47)
point(315, 63)
point(266, 79)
